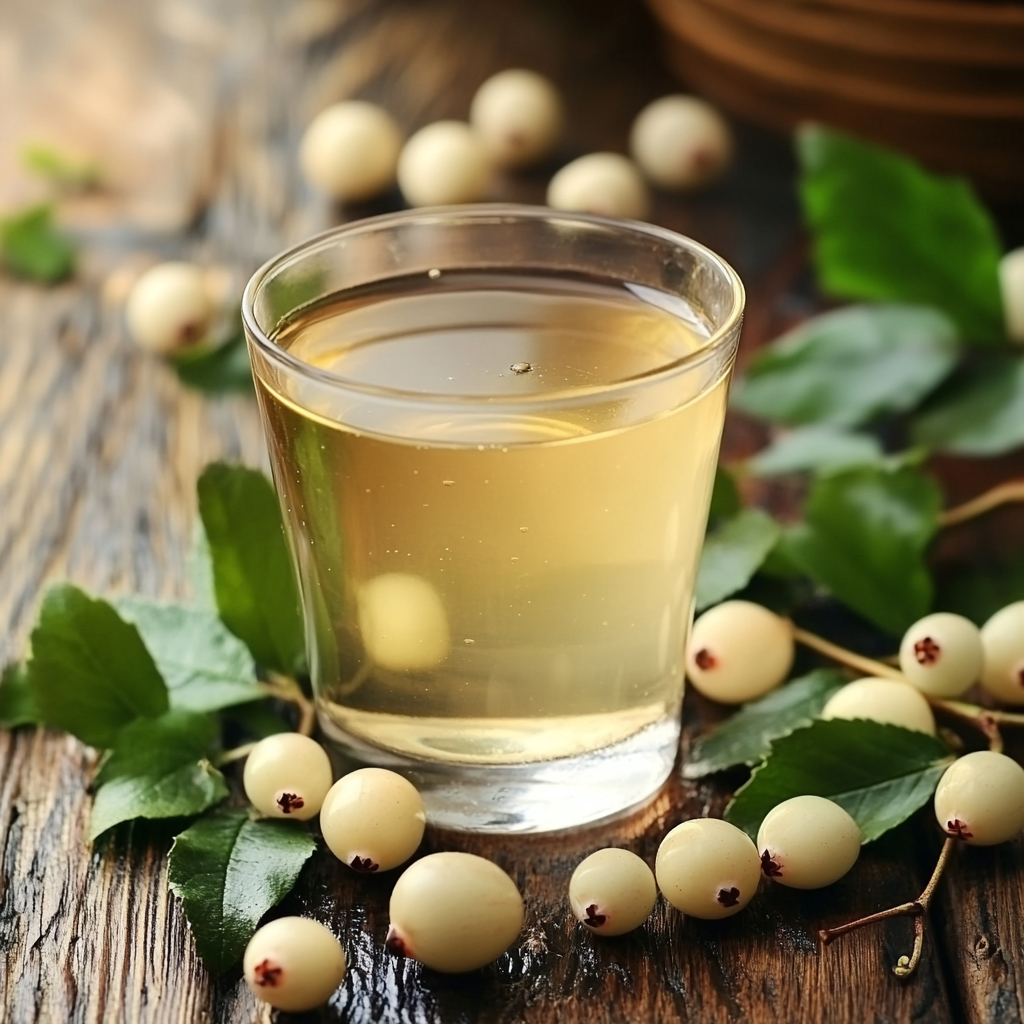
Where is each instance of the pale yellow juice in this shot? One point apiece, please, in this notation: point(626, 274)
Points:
point(490, 583)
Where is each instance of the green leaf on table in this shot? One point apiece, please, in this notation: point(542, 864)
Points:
point(747, 736)
point(885, 229)
point(63, 169)
point(218, 370)
point(159, 768)
point(90, 672)
point(228, 872)
point(205, 666)
point(864, 538)
point(32, 247)
point(978, 591)
point(846, 367)
point(252, 570)
point(980, 413)
point(733, 553)
point(725, 497)
point(881, 774)
point(818, 449)
point(17, 702)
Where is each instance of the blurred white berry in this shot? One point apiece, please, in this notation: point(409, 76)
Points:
point(402, 622)
point(293, 964)
point(372, 819)
point(603, 183)
point(980, 798)
point(518, 115)
point(1002, 639)
point(681, 142)
point(350, 150)
point(708, 868)
point(738, 651)
point(612, 892)
point(941, 654)
point(444, 163)
point(882, 700)
point(454, 912)
point(169, 308)
point(287, 776)
point(808, 842)
point(1011, 278)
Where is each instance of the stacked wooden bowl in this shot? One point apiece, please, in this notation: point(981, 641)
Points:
point(942, 80)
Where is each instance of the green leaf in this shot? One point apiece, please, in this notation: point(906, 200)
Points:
point(864, 539)
point(219, 370)
point(725, 497)
point(228, 872)
point(90, 671)
point(820, 449)
point(978, 592)
point(252, 569)
point(63, 169)
point(846, 367)
point(17, 702)
point(257, 720)
point(733, 553)
point(159, 768)
point(204, 665)
point(881, 774)
point(31, 247)
point(981, 413)
point(887, 230)
point(747, 736)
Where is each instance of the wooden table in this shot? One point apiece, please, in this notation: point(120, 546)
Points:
point(100, 447)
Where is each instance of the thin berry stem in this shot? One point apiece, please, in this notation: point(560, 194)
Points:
point(235, 754)
point(1003, 494)
point(285, 688)
point(846, 657)
point(982, 719)
point(905, 966)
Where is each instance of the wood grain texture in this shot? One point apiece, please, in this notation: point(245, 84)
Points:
point(100, 448)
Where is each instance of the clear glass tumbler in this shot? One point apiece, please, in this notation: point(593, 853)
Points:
point(494, 430)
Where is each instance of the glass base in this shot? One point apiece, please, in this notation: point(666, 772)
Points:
point(533, 797)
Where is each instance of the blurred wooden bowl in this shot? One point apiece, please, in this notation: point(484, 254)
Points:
point(942, 80)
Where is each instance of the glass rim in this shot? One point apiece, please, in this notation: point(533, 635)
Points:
point(497, 213)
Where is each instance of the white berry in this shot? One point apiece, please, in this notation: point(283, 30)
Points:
point(808, 842)
point(402, 622)
point(708, 868)
point(454, 912)
point(518, 116)
point(603, 183)
point(287, 776)
point(612, 892)
point(293, 964)
point(738, 651)
point(350, 150)
point(1011, 278)
point(980, 798)
point(681, 142)
point(169, 308)
point(444, 163)
point(882, 700)
point(1002, 639)
point(941, 654)
point(372, 819)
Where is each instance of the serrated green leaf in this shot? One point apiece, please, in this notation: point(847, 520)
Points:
point(747, 736)
point(884, 229)
point(819, 449)
point(32, 247)
point(159, 768)
point(252, 569)
point(17, 703)
point(228, 872)
point(881, 774)
point(981, 413)
point(865, 537)
point(200, 570)
point(205, 666)
point(725, 497)
point(849, 366)
point(733, 553)
point(90, 672)
point(219, 370)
